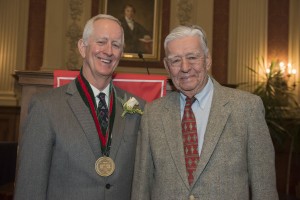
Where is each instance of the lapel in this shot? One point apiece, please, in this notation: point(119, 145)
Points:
point(218, 116)
point(86, 121)
point(84, 117)
point(172, 122)
point(119, 125)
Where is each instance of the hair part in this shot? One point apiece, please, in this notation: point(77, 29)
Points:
point(185, 31)
point(89, 26)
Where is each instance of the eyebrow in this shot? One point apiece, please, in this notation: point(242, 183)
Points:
point(189, 53)
point(107, 39)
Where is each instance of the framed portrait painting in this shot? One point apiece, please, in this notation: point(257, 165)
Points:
point(142, 24)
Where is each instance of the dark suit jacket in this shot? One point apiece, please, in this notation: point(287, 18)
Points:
point(132, 43)
point(237, 152)
point(60, 145)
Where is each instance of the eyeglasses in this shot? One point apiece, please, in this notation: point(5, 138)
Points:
point(191, 58)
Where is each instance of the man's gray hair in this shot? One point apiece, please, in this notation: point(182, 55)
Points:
point(183, 31)
point(88, 28)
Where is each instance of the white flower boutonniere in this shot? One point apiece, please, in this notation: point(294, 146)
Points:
point(131, 106)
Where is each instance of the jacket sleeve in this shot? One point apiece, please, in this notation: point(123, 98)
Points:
point(34, 154)
point(143, 172)
point(261, 156)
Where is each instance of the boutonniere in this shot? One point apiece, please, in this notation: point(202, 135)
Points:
point(131, 106)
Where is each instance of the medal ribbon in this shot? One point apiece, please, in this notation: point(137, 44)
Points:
point(103, 139)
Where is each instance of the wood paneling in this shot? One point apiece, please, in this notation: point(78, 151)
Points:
point(9, 123)
point(220, 40)
point(35, 37)
point(278, 30)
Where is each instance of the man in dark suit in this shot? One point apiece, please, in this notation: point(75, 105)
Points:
point(136, 36)
point(70, 147)
point(204, 141)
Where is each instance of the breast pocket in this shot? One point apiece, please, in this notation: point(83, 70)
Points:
point(132, 125)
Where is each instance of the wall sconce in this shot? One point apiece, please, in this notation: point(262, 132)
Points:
point(287, 71)
point(294, 71)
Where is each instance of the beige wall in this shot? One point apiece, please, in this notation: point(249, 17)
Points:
point(247, 36)
point(13, 34)
point(294, 41)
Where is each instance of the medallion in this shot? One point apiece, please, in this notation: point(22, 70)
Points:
point(105, 166)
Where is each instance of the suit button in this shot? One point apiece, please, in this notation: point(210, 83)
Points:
point(192, 197)
point(107, 186)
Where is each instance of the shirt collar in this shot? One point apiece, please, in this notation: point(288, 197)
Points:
point(202, 97)
point(128, 20)
point(96, 91)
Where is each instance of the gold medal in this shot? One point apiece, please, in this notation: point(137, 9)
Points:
point(105, 166)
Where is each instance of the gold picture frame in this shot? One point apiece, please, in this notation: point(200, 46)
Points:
point(147, 16)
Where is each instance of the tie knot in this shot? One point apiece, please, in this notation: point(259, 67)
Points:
point(101, 95)
point(189, 101)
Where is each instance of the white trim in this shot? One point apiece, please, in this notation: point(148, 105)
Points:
point(63, 78)
point(121, 80)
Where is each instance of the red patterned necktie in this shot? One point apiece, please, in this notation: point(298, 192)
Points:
point(190, 139)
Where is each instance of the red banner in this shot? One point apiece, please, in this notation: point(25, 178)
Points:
point(147, 87)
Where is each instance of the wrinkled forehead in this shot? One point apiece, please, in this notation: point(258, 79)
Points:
point(103, 23)
point(108, 28)
point(183, 45)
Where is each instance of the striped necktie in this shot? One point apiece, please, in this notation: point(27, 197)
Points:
point(102, 112)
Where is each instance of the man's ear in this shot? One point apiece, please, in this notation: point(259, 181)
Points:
point(166, 66)
point(208, 62)
point(81, 48)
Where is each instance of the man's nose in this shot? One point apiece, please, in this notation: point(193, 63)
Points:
point(185, 65)
point(108, 49)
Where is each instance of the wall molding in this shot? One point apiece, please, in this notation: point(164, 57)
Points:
point(74, 33)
